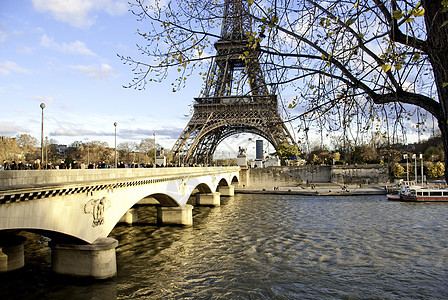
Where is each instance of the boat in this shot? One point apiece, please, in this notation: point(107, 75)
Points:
point(393, 196)
point(393, 192)
point(424, 193)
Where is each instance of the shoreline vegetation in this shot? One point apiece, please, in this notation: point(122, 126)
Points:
point(317, 189)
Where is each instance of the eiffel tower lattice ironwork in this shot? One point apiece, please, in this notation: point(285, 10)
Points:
point(217, 113)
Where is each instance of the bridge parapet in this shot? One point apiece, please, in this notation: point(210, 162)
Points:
point(27, 178)
point(36, 184)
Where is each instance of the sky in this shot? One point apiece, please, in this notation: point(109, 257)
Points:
point(64, 53)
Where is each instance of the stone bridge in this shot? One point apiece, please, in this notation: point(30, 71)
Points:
point(78, 209)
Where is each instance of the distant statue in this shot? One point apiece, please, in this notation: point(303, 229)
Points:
point(241, 151)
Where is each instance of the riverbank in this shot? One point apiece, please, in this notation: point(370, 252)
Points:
point(318, 189)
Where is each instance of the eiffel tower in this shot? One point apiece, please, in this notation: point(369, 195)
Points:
point(217, 113)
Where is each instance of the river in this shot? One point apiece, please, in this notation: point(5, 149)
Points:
point(264, 247)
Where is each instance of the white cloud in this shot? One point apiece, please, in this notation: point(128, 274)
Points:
point(24, 50)
point(45, 99)
point(75, 132)
point(8, 129)
point(3, 36)
point(80, 13)
point(95, 72)
point(76, 47)
point(7, 67)
point(45, 41)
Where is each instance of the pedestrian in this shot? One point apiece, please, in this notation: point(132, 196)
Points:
point(36, 165)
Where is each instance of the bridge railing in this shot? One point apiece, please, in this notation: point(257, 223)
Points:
point(11, 180)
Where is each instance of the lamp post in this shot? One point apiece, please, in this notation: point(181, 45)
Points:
point(42, 105)
point(46, 152)
point(155, 150)
point(116, 162)
point(421, 157)
point(407, 168)
point(414, 156)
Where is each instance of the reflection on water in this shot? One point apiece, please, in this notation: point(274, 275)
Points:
point(264, 247)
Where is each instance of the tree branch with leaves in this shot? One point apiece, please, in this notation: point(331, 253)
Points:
point(355, 65)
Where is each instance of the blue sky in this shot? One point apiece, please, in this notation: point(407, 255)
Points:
point(64, 53)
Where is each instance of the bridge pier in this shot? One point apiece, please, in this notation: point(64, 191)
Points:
point(244, 177)
point(97, 260)
point(227, 191)
point(130, 217)
point(178, 215)
point(11, 253)
point(209, 199)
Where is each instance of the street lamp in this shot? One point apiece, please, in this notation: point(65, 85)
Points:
point(421, 157)
point(407, 168)
point(155, 150)
point(414, 156)
point(42, 105)
point(46, 152)
point(116, 162)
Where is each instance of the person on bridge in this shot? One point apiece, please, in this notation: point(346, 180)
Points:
point(36, 165)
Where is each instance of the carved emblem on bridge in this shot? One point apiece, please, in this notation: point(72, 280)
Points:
point(183, 188)
point(96, 208)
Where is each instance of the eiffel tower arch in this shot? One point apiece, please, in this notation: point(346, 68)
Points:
point(219, 112)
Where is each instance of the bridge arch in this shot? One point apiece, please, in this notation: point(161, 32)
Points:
point(163, 199)
point(203, 188)
point(223, 182)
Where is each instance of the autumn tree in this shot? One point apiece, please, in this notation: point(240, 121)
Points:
point(95, 152)
point(366, 154)
point(29, 146)
point(435, 170)
point(9, 150)
point(353, 65)
point(398, 170)
point(286, 151)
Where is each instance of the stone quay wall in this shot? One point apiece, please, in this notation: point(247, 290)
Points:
point(294, 175)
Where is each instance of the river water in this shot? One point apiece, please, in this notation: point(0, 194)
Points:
point(264, 247)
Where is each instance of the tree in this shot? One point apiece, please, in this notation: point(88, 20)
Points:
point(29, 145)
point(366, 154)
point(125, 150)
point(95, 152)
point(26, 140)
point(435, 170)
point(398, 170)
point(433, 153)
point(286, 151)
point(336, 156)
point(51, 151)
point(147, 147)
point(9, 150)
point(353, 65)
